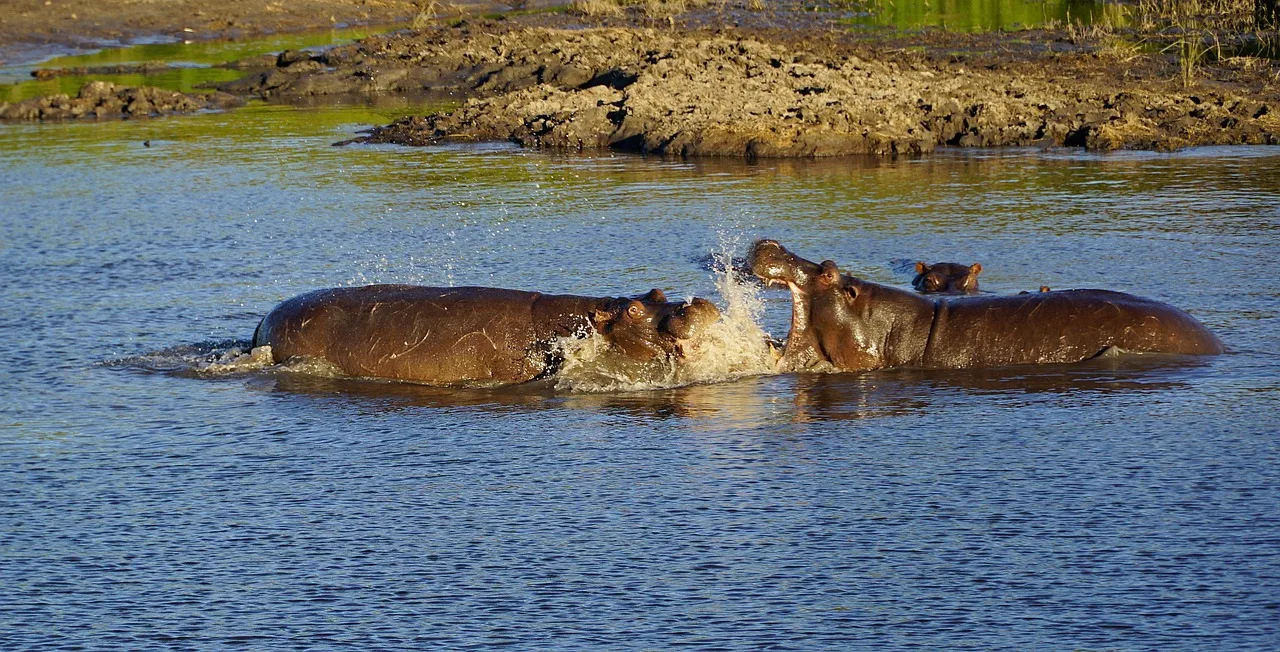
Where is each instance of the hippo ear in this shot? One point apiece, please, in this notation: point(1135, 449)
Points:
point(830, 272)
point(921, 267)
point(655, 296)
point(975, 269)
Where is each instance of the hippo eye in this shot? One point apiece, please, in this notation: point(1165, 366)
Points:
point(635, 311)
point(851, 291)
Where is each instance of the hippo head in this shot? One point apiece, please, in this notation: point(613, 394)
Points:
point(836, 319)
point(947, 277)
point(649, 326)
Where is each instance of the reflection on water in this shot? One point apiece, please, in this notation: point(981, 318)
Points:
point(986, 15)
point(754, 402)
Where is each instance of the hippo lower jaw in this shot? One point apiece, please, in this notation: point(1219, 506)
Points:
point(791, 351)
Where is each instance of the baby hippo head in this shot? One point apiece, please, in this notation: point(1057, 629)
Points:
point(650, 327)
point(951, 278)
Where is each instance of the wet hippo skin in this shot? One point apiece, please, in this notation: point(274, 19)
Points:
point(470, 335)
point(853, 324)
point(952, 278)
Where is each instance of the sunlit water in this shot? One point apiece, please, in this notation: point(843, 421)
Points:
point(1124, 504)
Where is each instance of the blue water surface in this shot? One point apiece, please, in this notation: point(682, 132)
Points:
point(1122, 504)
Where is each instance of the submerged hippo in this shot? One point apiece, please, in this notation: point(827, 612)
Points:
point(470, 335)
point(852, 324)
point(951, 278)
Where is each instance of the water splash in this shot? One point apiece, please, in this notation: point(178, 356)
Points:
point(735, 346)
point(236, 360)
point(219, 359)
point(189, 358)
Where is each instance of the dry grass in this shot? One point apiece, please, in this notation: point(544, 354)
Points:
point(596, 8)
point(661, 9)
point(1203, 14)
point(1121, 49)
point(1194, 27)
point(431, 10)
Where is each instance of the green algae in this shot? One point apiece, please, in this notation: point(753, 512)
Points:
point(192, 63)
point(983, 15)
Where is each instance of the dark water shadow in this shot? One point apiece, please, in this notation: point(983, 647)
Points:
point(895, 392)
point(1120, 373)
point(395, 395)
point(763, 400)
point(730, 402)
point(746, 402)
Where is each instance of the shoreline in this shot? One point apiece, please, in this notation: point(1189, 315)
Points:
point(730, 83)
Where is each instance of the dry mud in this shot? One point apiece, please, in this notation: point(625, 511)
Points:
point(763, 94)
point(99, 99)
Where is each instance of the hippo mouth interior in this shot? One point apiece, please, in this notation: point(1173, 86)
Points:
point(799, 308)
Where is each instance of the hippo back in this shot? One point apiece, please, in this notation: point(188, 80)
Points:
point(441, 335)
point(1058, 326)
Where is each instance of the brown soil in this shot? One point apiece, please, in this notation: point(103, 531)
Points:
point(767, 93)
point(99, 99)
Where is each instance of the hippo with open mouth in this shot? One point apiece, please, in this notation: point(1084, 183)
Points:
point(471, 335)
point(852, 324)
point(951, 278)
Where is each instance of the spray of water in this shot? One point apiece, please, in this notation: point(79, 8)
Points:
point(733, 347)
point(235, 360)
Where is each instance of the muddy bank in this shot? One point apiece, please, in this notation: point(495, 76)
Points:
point(104, 100)
point(734, 93)
point(734, 84)
point(30, 29)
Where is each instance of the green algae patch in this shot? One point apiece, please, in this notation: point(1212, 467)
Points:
point(180, 66)
point(971, 16)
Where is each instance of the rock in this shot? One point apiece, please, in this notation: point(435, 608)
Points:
point(290, 57)
point(100, 99)
point(725, 93)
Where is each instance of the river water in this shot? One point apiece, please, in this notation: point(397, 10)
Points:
point(146, 501)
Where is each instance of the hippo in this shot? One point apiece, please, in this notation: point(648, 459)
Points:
point(471, 335)
point(848, 324)
point(952, 278)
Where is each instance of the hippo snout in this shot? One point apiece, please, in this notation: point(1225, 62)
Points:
point(768, 260)
point(773, 263)
point(691, 319)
